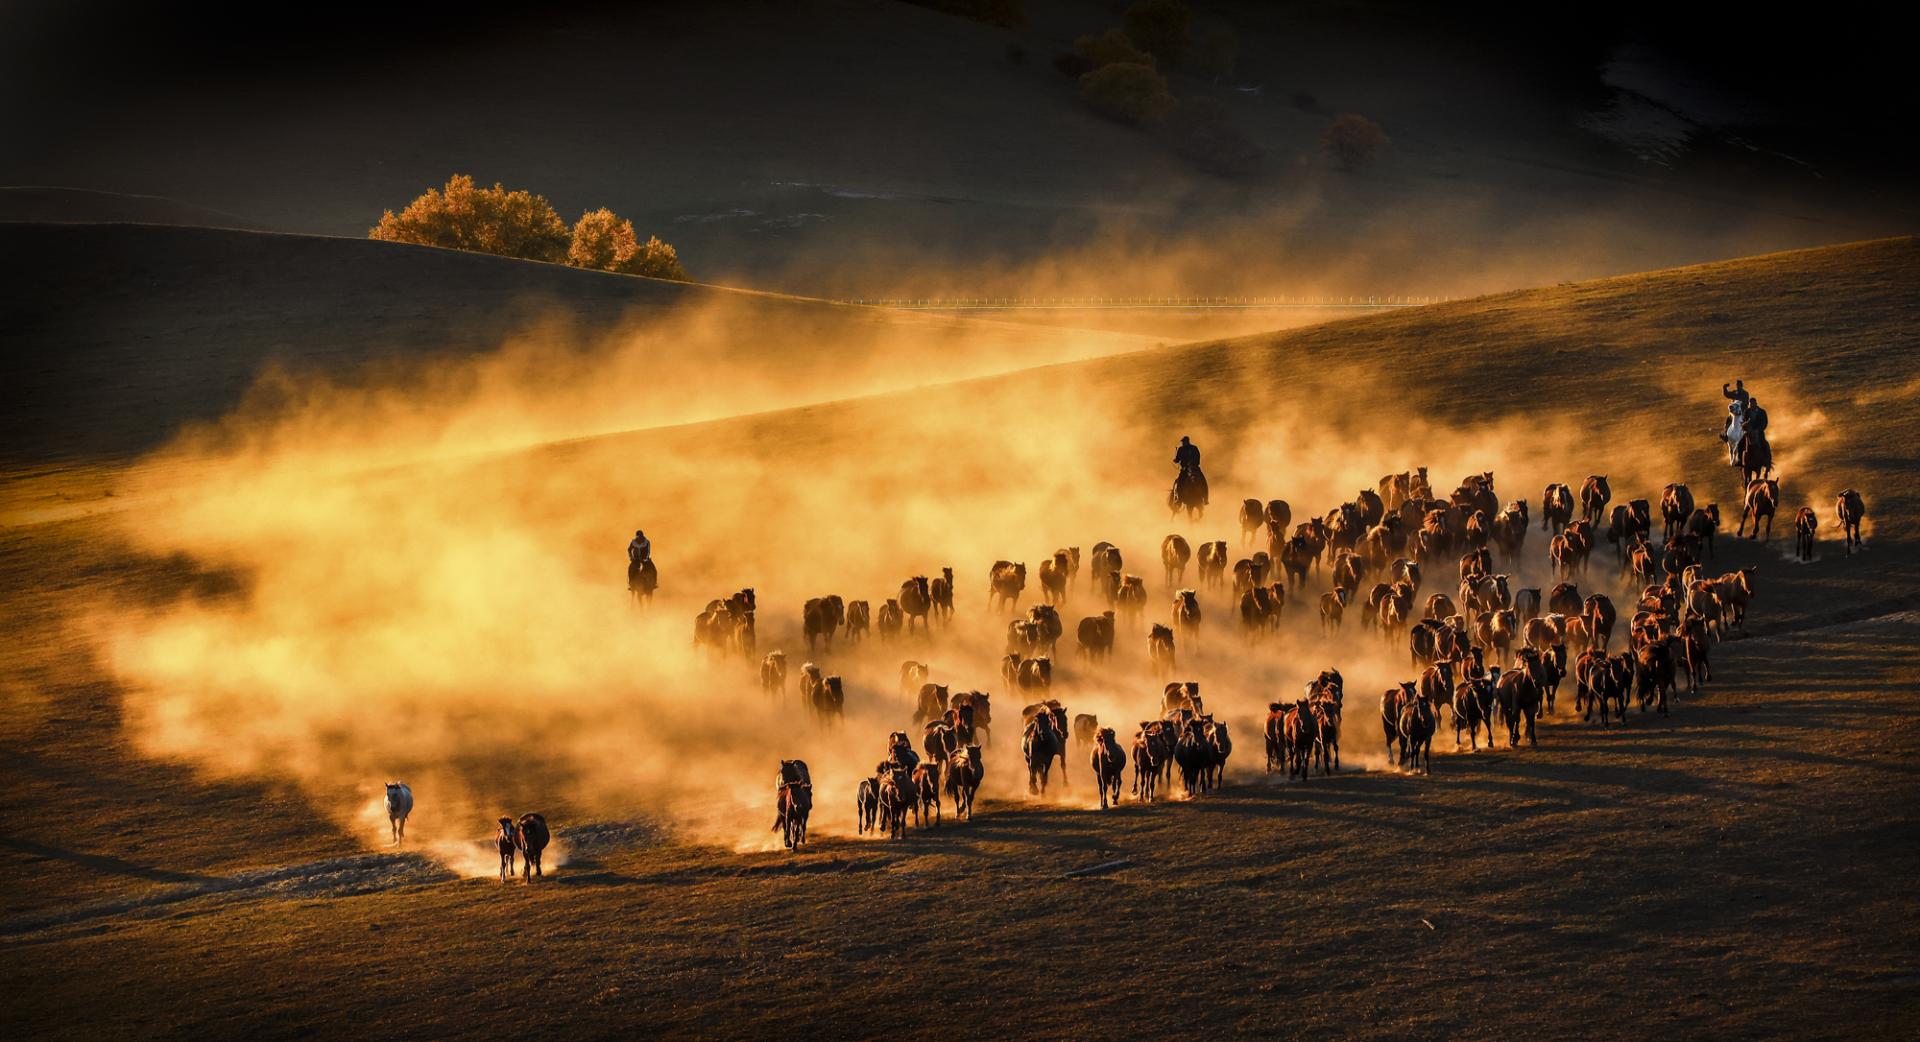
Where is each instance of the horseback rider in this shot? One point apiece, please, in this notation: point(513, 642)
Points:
point(640, 551)
point(1186, 455)
point(1739, 422)
point(1755, 418)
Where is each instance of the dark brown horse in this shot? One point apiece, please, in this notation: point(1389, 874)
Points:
point(1595, 494)
point(1763, 501)
point(916, 601)
point(1109, 766)
point(530, 835)
point(1850, 508)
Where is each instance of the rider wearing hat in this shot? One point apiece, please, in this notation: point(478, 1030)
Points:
point(1187, 455)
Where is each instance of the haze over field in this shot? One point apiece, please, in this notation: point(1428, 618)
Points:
point(297, 500)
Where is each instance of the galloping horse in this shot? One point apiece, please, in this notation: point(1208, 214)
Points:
point(642, 579)
point(1189, 493)
point(1755, 456)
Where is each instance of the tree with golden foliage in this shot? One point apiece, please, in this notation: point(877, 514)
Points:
point(484, 220)
point(605, 241)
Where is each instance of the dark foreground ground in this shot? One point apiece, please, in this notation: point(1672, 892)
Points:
point(1739, 870)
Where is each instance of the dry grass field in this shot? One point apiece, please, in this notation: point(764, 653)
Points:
point(214, 651)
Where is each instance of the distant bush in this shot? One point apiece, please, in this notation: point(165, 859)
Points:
point(1128, 92)
point(1111, 48)
point(1201, 132)
point(1006, 13)
point(483, 220)
point(605, 242)
point(1353, 141)
point(1305, 102)
point(1016, 55)
point(1071, 65)
point(1162, 28)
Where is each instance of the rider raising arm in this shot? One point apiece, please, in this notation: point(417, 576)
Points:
point(1187, 454)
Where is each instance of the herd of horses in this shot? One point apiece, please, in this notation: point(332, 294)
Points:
point(1488, 654)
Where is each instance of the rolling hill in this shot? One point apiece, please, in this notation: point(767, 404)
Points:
point(120, 334)
point(171, 655)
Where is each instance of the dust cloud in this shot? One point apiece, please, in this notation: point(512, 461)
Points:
point(429, 577)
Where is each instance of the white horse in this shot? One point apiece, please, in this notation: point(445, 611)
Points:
point(399, 805)
point(1736, 427)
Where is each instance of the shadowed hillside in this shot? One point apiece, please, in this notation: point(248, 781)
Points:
point(117, 335)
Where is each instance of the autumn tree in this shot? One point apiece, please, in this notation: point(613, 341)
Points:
point(604, 241)
point(484, 220)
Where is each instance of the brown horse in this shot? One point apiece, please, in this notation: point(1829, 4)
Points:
point(1160, 649)
point(1850, 509)
point(1213, 563)
point(1174, 555)
point(1186, 616)
point(941, 589)
point(1594, 497)
point(1109, 766)
point(530, 835)
point(1756, 457)
point(1055, 575)
point(1095, 634)
point(642, 579)
point(773, 673)
point(820, 617)
point(1004, 584)
point(1676, 506)
point(1253, 517)
point(1763, 500)
point(916, 601)
point(1189, 493)
point(795, 802)
point(1806, 525)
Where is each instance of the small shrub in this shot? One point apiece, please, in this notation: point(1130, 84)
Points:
point(604, 241)
point(1354, 141)
point(1111, 48)
point(1305, 102)
point(1016, 55)
point(656, 260)
point(1071, 65)
point(1201, 132)
point(1128, 92)
point(483, 220)
point(1162, 28)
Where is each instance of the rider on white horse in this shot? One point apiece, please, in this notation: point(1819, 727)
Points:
point(1736, 427)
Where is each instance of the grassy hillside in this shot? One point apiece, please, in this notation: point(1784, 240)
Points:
point(1736, 868)
point(118, 335)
